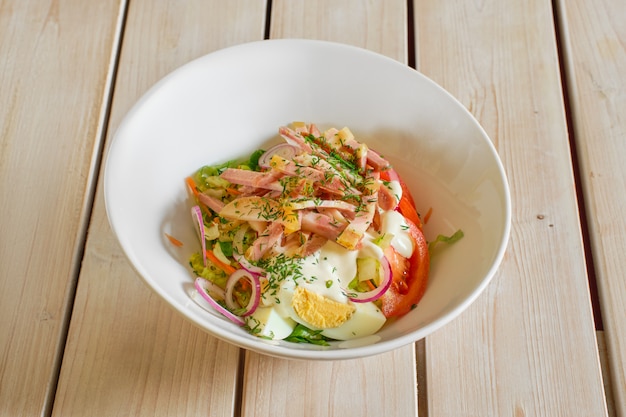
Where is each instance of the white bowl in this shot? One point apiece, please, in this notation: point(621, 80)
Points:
point(229, 103)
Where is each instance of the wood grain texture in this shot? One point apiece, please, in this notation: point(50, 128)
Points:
point(608, 388)
point(344, 388)
point(527, 347)
point(594, 42)
point(380, 26)
point(128, 353)
point(55, 67)
point(382, 385)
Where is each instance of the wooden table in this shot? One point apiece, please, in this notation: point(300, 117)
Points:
point(81, 335)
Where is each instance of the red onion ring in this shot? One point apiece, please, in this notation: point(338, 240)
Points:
point(245, 264)
point(212, 288)
point(199, 284)
point(365, 297)
point(255, 297)
point(284, 150)
point(196, 214)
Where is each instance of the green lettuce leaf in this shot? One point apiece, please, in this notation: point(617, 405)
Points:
point(455, 237)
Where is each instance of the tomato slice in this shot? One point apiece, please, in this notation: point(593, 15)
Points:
point(406, 206)
point(406, 193)
point(409, 281)
point(409, 212)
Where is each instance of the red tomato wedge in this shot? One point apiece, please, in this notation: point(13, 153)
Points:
point(410, 277)
point(406, 206)
point(409, 212)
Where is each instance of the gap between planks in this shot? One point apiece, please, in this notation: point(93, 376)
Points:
point(560, 34)
point(88, 202)
point(606, 373)
point(582, 211)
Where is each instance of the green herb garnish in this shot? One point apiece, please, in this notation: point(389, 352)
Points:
point(302, 334)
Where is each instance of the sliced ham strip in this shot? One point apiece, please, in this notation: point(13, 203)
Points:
point(360, 151)
point(313, 130)
point(376, 161)
point(302, 203)
point(266, 180)
point(386, 199)
point(322, 225)
point(329, 183)
point(290, 168)
point(312, 245)
point(351, 236)
point(248, 190)
point(294, 138)
point(343, 217)
point(265, 241)
point(324, 165)
point(329, 189)
point(211, 202)
point(338, 179)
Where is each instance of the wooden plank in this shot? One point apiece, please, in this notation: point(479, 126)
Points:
point(380, 26)
point(128, 353)
point(527, 346)
point(379, 385)
point(55, 68)
point(382, 385)
point(608, 388)
point(594, 42)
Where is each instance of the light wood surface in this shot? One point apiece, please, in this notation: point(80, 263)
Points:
point(524, 347)
point(380, 26)
point(128, 353)
point(80, 334)
point(51, 120)
point(594, 39)
point(355, 387)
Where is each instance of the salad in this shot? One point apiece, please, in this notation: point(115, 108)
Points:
point(314, 239)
